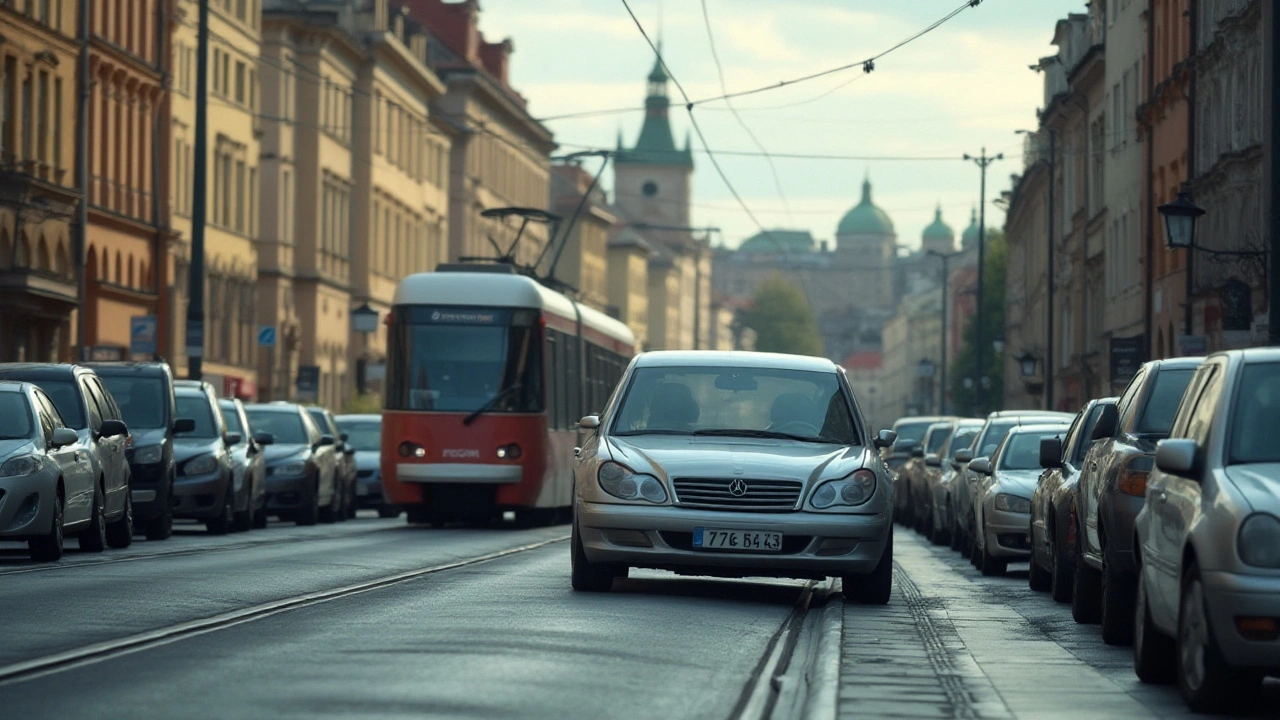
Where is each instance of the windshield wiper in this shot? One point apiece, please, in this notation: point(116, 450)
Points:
point(491, 404)
point(773, 434)
point(629, 433)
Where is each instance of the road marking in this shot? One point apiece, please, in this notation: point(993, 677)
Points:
point(98, 652)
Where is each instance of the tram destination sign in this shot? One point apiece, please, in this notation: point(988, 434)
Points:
point(458, 316)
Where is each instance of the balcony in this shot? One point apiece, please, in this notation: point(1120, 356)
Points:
point(120, 199)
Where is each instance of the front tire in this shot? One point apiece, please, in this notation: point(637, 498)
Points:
point(388, 511)
point(329, 513)
point(260, 518)
point(875, 587)
point(49, 547)
point(1063, 572)
point(94, 537)
point(309, 512)
point(1038, 578)
point(990, 565)
point(221, 525)
point(1208, 684)
point(120, 532)
point(1117, 606)
point(1086, 591)
point(1155, 655)
point(585, 575)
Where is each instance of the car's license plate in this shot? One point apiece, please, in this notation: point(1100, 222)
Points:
point(716, 539)
point(362, 490)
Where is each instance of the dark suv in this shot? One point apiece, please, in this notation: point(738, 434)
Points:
point(144, 393)
point(87, 407)
point(204, 490)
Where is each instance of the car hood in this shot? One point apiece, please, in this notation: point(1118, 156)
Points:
point(668, 457)
point(368, 459)
point(185, 449)
point(151, 436)
point(1260, 485)
point(1018, 482)
point(276, 453)
point(21, 446)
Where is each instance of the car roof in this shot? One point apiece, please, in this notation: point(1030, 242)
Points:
point(149, 369)
point(922, 419)
point(1024, 413)
point(970, 422)
point(47, 371)
point(359, 417)
point(1176, 363)
point(1039, 427)
point(280, 407)
point(733, 358)
point(1251, 355)
point(13, 386)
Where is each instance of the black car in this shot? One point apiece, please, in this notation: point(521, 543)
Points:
point(87, 407)
point(302, 467)
point(204, 489)
point(346, 455)
point(144, 393)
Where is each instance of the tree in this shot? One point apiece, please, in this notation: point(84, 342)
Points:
point(783, 320)
point(965, 364)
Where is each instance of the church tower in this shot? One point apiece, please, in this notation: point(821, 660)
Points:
point(652, 180)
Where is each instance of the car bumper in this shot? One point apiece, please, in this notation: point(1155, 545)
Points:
point(19, 520)
point(1006, 533)
point(814, 544)
point(1230, 596)
point(369, 491)
point(149, 489)
point(287, 493)
point(199, 496)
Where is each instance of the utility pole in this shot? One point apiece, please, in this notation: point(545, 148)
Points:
point(983, 162)
point(1048, 353)
point(80, 239)
point(946, 295)
point(1273, 287)
point(199, 205)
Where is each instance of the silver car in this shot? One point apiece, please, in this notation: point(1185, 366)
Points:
point(46, 480)
point(1002, 508)
point(942, 480)
point(736, 465)
point(1208, 537)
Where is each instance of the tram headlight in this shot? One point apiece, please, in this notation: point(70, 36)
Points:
point(414, 450)
point(622, 482)
point(509, 452)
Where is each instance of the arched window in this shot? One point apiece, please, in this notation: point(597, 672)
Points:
point(44, 262)
point(130, 275)
point(6, 247)
point(119, 276)
point(61, 260)
point(91, 271)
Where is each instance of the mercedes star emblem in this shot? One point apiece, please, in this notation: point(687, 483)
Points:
point(737, 488)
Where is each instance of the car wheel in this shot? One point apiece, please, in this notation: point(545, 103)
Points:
point(1208, 684)
point(1086, 594)
point(161, 528)
point(309, 512)
point(329, 513)
point(957, 537)
point(353, 504)
point(1117, 605)
point(991, 566)
point(120, 532)
point(260, 518)
point(94, 537)
point(49, 547)
point(243, 521)
point(586, 576)
point(221, 525)
point(940, 535)
point(1038, 578)
point(875, 587)
point(1062, 571)
point(1154, 653)
point(388, 511)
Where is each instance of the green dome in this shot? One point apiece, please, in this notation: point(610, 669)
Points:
point(865, 218)
point(939, 231)
point(970, 237)
point(778, 242)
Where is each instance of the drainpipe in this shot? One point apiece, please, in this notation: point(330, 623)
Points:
point(80, 238)
point(1148, 270)
point(1188, 306)
point(160, 259)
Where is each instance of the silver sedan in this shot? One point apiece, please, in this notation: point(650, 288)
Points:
point(1208, 606)
point(736, 465)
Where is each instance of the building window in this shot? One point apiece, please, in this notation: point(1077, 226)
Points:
point(286, 209)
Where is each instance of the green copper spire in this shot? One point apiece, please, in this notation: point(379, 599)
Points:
point(865, 218)
point(656, 144)
point(969, 239)
point(938, 232)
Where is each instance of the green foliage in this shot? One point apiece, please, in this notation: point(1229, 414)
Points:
point(783, 320)
point(964, 365)
point(366, 404)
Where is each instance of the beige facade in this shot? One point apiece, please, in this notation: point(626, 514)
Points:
point(628, 283)
point(913, 335)
point(582, 261)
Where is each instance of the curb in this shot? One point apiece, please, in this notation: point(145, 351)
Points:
point(823, 676)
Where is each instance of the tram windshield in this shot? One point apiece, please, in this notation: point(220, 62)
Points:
point(452, 359)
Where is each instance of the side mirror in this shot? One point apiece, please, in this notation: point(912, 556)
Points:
point(325, 441)
point(63, 437)
point(981, 465)
point(1177, 457)
point(885, 438)
point(232, 439)
point(1051, 452)
point(590, 422)
point(964, 456)
point(113, 428)
point(932, 460)
point(1108, 423)
point(184, 425)
point(345, 437)
point(577, 452)
point(917, 451)
point(265, 438)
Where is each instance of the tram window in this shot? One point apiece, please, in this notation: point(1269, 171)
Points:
point(553, 380)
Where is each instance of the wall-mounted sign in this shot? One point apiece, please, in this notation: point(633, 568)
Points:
point(1126, 357)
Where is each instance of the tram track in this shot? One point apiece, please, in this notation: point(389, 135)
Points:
point(65, 660)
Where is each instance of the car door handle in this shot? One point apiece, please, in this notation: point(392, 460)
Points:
point(1162, 496)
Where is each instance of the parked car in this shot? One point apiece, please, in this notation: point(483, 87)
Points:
point(48, 478)
point(942, 480)
point(964, 487)
point(911, 432)
point(1112, 488)
point(302, 468)
point(364, 435)
point(248, 469)
point(86, 407)
point(204, 489)
point(1006, 481)
point(346, 456)
point(917, 485)
point(734, 464)
point(1208, 555)
point(1053, 505)
point(144, 394)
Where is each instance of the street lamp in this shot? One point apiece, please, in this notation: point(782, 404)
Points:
point(1027, 364)
point(1180, 221)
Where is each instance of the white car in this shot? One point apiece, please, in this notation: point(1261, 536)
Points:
point(737, 465)
point(1208, 536)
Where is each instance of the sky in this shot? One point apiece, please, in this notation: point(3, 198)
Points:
point(963, 87)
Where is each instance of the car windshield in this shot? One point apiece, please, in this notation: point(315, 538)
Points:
point(1022, 451)
point(196, 408)
point(994, 435)
point(913, 431)
point(320, 419)
point(363, 435)
point(743, 401)
point(1256, 415)
point(937, 439)
point(231, 419)
point(961, 439)
point(285, 427)
point(1162, 405)
point(141, 400)
point(15, 417)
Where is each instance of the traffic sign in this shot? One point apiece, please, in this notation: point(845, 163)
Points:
point(267, 336)
point(142, 334)
point(195, 338)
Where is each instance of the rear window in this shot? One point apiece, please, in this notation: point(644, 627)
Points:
point(15, 417)
point(1022, 452)
point(141, 400)
point(912, 430)
point(196, 408)
point(1162, 405)
point(285, 427)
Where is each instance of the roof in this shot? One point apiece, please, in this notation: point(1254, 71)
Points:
point(863, 361)
point(148, 369)
point(361, 417)
point(777, 242)
point(1176, 363)
point(733, 358)
point(1038, 427)
point(656, 145)
point(939, 230)
point(41, 370)
point(12, 386)
point(865, 218)
point(281, 407)
point(920, 419)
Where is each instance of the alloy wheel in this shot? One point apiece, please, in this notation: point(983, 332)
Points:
point(1193, 635)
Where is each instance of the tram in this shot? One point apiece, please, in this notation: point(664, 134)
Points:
point(488, 373)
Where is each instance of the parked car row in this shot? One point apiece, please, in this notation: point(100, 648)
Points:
point(1155, 514)
point(102, 451)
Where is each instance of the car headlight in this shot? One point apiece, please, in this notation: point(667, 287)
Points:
point(621, 481)
point(202, 465)
point(293, 468)
point(1012, 503)
point(852, 490)
point(22, 465)
point(148, 455)
point(1258, 540)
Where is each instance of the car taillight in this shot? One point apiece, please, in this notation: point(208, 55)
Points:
point(1133, 476)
